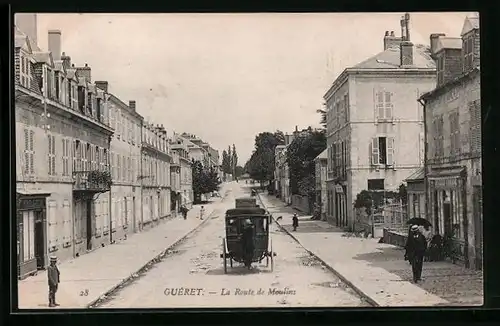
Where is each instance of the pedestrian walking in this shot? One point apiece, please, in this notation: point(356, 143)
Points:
point(53, 275)
point(295, 222)
point(202, 212)
point(416, 246)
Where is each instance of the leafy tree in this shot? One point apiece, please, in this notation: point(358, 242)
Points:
point(300, 159)
point(239, 171)
point(260, 166)
point(234, 159)
point(323, 117)
point(205, 180)
point(225, 163)
point(229, 160)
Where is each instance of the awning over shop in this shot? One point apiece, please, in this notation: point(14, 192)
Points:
point(417, 175)
point(446, 173)
point(26, 193)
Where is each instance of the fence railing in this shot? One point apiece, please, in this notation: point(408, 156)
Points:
point(391, 216)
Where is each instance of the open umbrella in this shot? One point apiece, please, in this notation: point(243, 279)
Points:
point(419, 221)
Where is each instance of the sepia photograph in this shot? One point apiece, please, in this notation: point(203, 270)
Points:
point(248, 160)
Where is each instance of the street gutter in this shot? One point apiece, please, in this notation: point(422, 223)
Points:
point(96, 302)
point(330, 268)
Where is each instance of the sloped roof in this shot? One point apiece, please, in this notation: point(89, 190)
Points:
point(322, 155)
point(449, 43)
point(390, 59)
point(470, 23)
point(416, 175)
point(44, 57)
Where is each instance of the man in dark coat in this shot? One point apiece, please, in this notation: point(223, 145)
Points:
point(416, 247)
point(295, 222)
point(53, 278)
point(248, 246)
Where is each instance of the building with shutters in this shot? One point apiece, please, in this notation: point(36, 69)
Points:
point(453, 136)
point(179, 146)
point(126, 199)
point(62, 162)
point(375, 126)
point(155, 175)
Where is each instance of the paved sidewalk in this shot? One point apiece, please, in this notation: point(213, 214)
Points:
point(88, 277)
point(379, 271)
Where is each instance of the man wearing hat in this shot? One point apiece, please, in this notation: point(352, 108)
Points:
point(53, 276)
point(416, 246)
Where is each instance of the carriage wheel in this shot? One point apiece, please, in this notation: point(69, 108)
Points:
point(224, 258)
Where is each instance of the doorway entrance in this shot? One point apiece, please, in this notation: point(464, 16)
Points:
point(39, 240)
point(88, 206)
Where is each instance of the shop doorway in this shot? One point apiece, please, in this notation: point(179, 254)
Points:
point(88, 214)
point(39, 240)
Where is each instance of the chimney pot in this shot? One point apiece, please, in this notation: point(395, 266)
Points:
point(86, 65)
point(73, 65)
point(131, 104)
point(64, 53)
point(392, 33)
point(386, 33)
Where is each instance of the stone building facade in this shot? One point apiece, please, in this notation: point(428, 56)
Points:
point(62, 162)
point(155, 175)
point(453, 154)
point(375, 124)
point(125, 161)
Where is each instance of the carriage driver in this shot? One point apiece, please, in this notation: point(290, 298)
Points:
point(248, 246)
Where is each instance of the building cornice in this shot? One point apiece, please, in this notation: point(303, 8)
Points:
point(400, 71)
point(441, 89)
point(67, 112)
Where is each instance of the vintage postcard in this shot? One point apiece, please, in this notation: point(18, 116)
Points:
point(248, 160)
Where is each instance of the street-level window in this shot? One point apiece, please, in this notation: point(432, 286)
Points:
point(28, 235)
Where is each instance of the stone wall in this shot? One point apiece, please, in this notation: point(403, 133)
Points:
point(301, 203)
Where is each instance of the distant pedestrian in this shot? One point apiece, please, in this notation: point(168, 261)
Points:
point(202, 212)
point(295, 221)
point(416, 246)
point(184, 211)
point(53, 278)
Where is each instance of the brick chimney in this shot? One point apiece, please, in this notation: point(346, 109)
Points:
point(131, 105)
point(102, 84)
point(390, 40)
point(434, 41)
point(55, 44)
point(85, 72)
point(66, 60)
point(406, 53)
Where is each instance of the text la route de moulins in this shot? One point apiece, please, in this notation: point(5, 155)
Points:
point(223, 292)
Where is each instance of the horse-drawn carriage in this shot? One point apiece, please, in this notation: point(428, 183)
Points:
point(247, 238)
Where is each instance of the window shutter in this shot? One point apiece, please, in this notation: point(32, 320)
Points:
point(390, 150)
point(26, 151)
point(49, 138)
point(53, 155)
point(420, 108)
point(379, 104)
point(388, 105)
point(421, 142)
point(375, 151)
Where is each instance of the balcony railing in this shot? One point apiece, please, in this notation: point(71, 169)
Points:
point(92, 181)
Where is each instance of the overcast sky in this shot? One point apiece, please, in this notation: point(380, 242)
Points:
point(227, 77)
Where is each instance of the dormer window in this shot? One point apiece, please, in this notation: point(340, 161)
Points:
point(468, 51)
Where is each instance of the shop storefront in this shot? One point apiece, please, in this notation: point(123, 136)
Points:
point(448, 211)
point(31, 233)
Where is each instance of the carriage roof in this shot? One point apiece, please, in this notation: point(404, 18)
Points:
point(246, 211)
